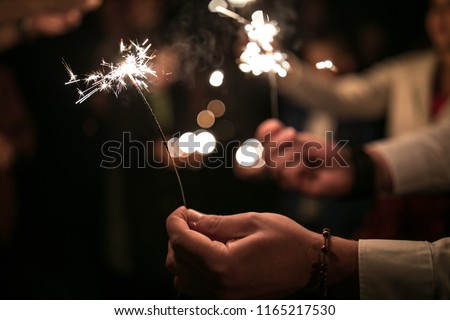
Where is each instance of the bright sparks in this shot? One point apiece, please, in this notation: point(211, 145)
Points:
point(112, 78)
point(259, 55)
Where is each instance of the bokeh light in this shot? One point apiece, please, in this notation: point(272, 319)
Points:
point(217, 107)
point(206, 141)
point(187, 143)
point(326, 65)
point(206, 119)
point(250, 154)
point(216, 79)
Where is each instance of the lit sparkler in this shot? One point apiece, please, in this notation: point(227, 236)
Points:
point(135, 67)
point(259, 55)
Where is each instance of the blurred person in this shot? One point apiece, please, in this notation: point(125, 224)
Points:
point(408, 103)
point(254, 255)
point(344, 216)
point(20, 22)
point(16, 144)
point(14, 10)
point(25, 19)
point(390, 167)
point(387, 89)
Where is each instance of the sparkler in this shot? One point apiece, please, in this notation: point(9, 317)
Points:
point(135, 67)
point(259, 55)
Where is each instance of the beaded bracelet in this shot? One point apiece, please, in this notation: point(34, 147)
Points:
point(323, 287)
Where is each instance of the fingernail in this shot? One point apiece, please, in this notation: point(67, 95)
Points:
point(194, 217)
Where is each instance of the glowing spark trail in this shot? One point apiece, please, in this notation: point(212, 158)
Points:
point(112, 78)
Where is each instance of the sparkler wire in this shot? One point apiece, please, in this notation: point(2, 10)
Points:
point(273, 95)
point(163, 136)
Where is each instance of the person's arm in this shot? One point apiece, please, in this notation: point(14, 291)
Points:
point(263, 255)
point(28, 19)
point(415, 162)
point(305, 163)
point(14, 10)
point(356, 96)
point(409, 163)
point(404, 269)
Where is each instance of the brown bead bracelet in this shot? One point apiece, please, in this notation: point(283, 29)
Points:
point(323, 287)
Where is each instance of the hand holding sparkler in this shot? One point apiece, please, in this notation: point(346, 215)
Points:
point(249, 255)
point(305, 163)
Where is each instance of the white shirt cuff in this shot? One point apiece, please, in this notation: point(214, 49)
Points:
point(395, 270)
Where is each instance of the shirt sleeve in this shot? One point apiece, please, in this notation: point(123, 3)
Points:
point(418, 161)
point(342, 97)
point(392, 269)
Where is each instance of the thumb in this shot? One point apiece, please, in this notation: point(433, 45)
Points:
point(267, 128)
point(221, 228)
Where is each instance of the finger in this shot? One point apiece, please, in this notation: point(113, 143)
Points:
point(180, 267)
point(222, 228)
point(89, 5)
point(279, 145)
point(193, 246)
point(268, 127)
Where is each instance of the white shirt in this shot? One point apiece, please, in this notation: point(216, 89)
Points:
point(390, 269)
point(419, 161)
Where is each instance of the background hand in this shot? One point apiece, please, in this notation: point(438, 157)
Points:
point(305, 163)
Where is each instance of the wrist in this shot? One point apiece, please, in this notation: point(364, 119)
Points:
point(340, 277)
